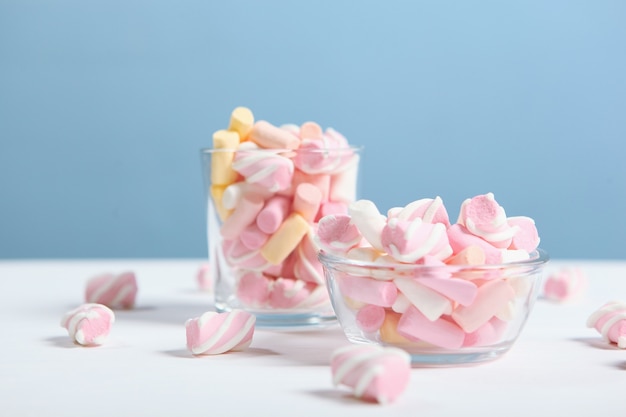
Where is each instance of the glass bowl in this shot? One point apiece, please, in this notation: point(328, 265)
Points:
point(441, 315)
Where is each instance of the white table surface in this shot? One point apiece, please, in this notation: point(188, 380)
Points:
point(558, 366)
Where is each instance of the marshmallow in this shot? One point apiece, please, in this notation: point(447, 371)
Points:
point(273, 214)
point(441, 332)
point(485, 218)
point(370, 318)
point(307, 200)
point(408, 241)
point(428, 209)
point(492, 297)
point(114, 291)
point(285, 239)
point(242, 216)
point(526, 237)
point(204, 278)
point(366, 217)
point(265, 168)
point(432, 304)
point(290, 293)
point(266, 135)
point(215, 333)
point(306, 266)
point(241, 121)
point(610, 321)
point(367, 290)
point(337, 234)
point(565, 285)
point(89, 324)
point(253, 289)
point(224, 145)
point(374, 373)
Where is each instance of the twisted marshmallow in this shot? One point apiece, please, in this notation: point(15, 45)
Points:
point(265, 168)
point(485, 218)
point(610, 321)
point(373, 372)
point(214, 333)
point(89, 324)
point(114, 291)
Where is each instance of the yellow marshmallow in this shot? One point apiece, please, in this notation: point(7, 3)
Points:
point(241, 121)
point(221, 161)
point(285, 239)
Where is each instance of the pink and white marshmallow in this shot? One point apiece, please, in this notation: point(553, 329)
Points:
point(214, 333)
point(89, 324)
point(117, 291)
point(374, 373)
point(565, 285)
point(610, 321)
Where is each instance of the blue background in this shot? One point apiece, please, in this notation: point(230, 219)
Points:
point(105, 104)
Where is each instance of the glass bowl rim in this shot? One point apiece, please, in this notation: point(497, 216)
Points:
point(537, 258)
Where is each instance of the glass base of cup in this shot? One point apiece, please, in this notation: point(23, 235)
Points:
point(288, 320)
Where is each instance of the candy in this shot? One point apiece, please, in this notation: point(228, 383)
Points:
point(491, 298)
point(224, 143)
point(610, 321)
point(367, 290)
point(565, 285)
point(285, 239)
point(440, 332)
point(204, 278)
point(410, 240)
point(89, 324)
point(244, 214)
point(114, 291)
point(374, 373)
point(369, 222)
point(485, 218)
point(337, 233)
point(215, 333)
point(306, 266)
point(241, 121)
point(269, 136)
point(432, 304)
point(273, 214)
point(430, 210)
point(370, 318)
point(306, 201)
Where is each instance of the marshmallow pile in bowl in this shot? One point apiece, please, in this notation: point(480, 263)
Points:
point(445, 293)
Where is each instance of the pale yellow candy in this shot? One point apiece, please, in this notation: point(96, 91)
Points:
point(285, 239)
point(222, 172)
point(241, 121)
point(217, 191)
point(388, 331)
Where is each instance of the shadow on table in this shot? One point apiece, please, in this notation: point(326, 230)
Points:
point(595, 342)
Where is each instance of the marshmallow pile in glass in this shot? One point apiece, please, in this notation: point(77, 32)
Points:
point(446, 293)
point(268, 187)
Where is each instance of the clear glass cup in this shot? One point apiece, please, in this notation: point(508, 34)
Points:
point(261, 222)
point(488, 306)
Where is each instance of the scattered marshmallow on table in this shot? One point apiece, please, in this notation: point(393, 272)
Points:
point(610, 321)
point(117, 291)
point(203, 277)
point(374, 373)
point(214, 333)
point(270, 185)
point(447, 308)
point(89, 324)
point(565, 285)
